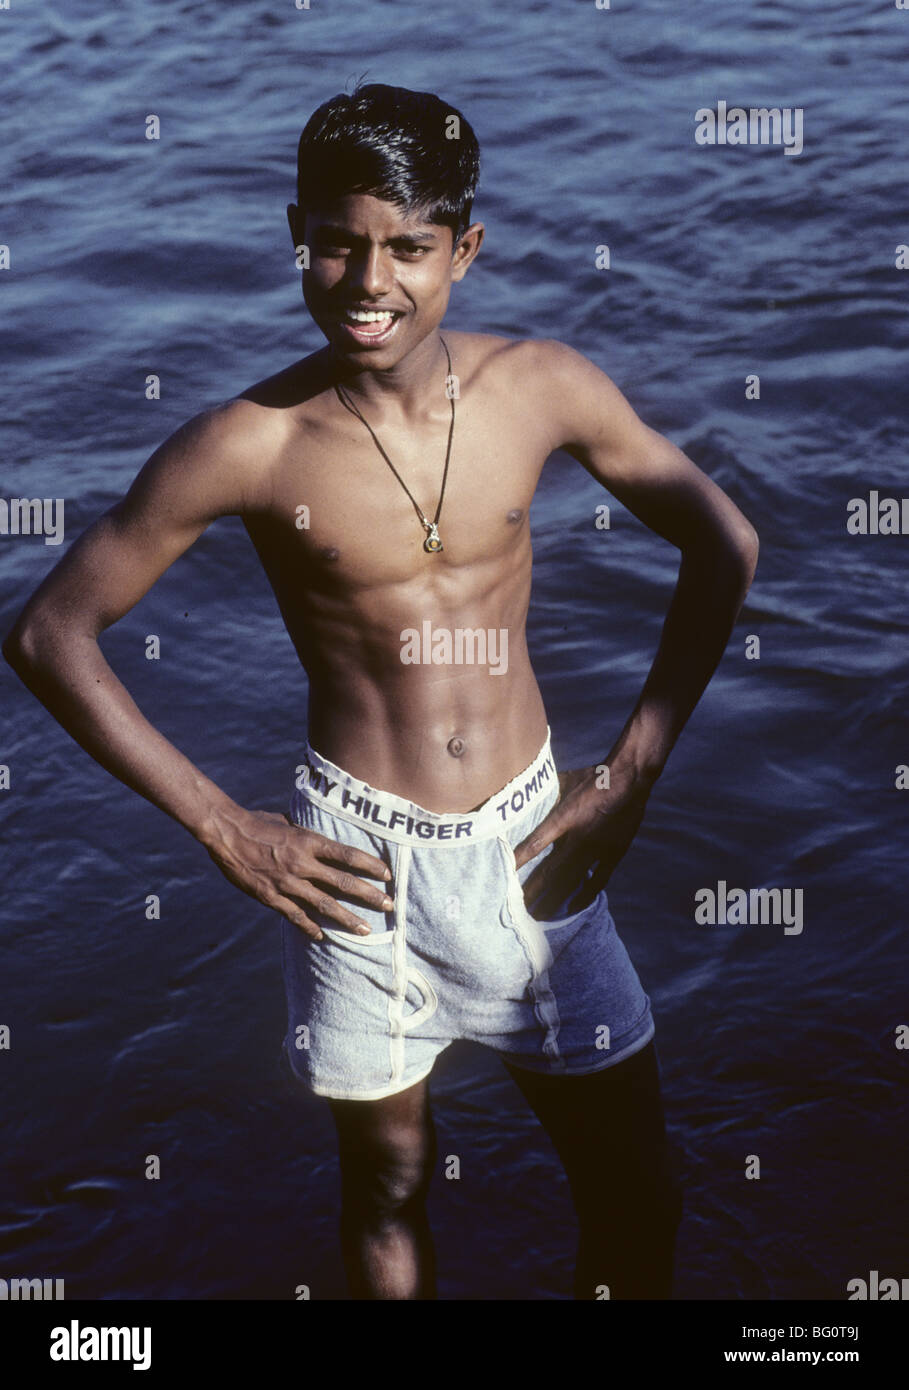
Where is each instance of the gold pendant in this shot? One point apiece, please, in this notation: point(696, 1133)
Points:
point(432, 542)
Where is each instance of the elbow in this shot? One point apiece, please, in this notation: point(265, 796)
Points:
point(731, 549)
point(11, 643)
point(16, 647)
point(24, 645)
point(748, 545)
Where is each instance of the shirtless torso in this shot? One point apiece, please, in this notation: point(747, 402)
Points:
point(443, 735)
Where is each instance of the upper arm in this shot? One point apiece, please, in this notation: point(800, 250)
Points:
point(201, 472)
point(647, 473)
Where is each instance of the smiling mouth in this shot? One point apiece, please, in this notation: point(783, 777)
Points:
point(369, 325)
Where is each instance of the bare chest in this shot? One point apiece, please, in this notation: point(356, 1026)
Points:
point(336, 513)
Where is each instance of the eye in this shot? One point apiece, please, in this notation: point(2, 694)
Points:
point(328, 245)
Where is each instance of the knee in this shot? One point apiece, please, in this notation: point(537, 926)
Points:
point(399, 1183)
point(385, 1178)
point(661, 1201)
point(653, 1205)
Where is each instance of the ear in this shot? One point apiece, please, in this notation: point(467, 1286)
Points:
point(466, 249)
point(296, 221)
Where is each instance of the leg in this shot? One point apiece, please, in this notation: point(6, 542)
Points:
point(608, 1129)
point(387, 1150)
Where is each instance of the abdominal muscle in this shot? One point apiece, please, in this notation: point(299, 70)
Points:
point(444, 750)
point(443, 729)
point(446, 736)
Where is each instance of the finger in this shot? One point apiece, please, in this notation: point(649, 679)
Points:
point(294, 915)
point(584, 897)
point(569, 780)
point(355, 859)
point(550, 829)
point(328, 906)
point(551, 880)
point(350, 886)
point(593, 886)
point(556, 889)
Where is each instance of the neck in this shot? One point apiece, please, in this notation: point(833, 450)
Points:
point(412, 385)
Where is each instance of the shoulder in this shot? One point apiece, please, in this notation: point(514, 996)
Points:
point(208, 467)
point(568, 395)
point(230, 435)
point(552, 360)
point(537, 360)
point(534, 360)
point(235, 424)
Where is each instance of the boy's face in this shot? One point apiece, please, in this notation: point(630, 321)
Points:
point(366, 256)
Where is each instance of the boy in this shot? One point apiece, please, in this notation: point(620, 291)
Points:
point(436, 878)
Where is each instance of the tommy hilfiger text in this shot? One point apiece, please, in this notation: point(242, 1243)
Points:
point(375, 810)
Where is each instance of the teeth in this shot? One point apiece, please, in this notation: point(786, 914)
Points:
point(359, 316)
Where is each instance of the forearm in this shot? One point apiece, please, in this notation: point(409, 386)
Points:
point(70, 676)
point(708, 597)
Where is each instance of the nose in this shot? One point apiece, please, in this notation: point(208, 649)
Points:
point(371, 273)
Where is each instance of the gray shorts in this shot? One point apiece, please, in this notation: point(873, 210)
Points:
point(460, 956)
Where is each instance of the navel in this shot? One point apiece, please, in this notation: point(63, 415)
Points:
point(456, 746)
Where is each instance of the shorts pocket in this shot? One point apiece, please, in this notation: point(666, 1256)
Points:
point(382, 924)
point(343, 937)
point(516, 879)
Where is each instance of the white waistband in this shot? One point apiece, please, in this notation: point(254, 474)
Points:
point(394, 818)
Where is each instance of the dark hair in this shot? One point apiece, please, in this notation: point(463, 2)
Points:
point(393, 144)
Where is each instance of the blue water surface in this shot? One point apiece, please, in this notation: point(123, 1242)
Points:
point(132, 1037)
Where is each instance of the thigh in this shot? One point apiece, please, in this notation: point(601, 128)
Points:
point(394, 1134)
point(606, 1126)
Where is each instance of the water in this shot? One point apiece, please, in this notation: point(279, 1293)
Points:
point(133, 1037)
